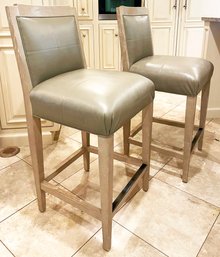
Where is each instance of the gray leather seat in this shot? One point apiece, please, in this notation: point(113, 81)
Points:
point(173, 74)
point(99, 102)
point(58, 87)
point(63, 91)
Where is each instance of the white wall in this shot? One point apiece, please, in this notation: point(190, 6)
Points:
point(211, 8)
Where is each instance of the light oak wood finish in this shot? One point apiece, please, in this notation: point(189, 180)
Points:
point(126, 134)
point(188, 125)
point(105, 151)
point(188, 134)
point(86, 143)
point(146, 139)
point(203, 113)
point(65, 163)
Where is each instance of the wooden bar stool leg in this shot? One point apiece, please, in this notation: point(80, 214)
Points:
point(188, 134)
point(105, 151)
point(147, 118)
point(36, 148)
point(203, 112)
point(86, 155)
point(126, 135)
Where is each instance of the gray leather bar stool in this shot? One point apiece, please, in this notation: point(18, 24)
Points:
point(58, 87)
point(171, 74)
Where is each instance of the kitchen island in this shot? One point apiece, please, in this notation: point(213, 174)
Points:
point(212, 53)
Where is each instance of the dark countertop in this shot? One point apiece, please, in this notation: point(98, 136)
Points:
point(211, 19)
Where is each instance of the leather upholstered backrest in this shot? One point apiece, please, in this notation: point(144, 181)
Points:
point(138, 37)
point(51, 46)
point(135, 34)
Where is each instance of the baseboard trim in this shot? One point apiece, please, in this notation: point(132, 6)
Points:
point(213, 113)
point(21, 139)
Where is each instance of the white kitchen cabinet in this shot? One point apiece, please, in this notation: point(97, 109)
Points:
point(87, 35)
point(109, 51)
point(163, 16)
point(12, 113)
point(177, 28)
point(84, 9)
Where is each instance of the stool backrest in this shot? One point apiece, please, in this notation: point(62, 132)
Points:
point(135, 34)
point(46, 41)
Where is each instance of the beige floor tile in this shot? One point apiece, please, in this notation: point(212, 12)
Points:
point(60, 231)
point(204, 177)
point(211, 147)
point(124, 243)
point(168, 219)
point(160, 108)
point(5, 162)
point(4, 252)
point(67, 132)
point(87, 186)
point(24, 152)
point(169, 98)
point(178, 114)
point(163, 135)
point(214, 126)
point(165, 103)
point(211, 248)
point(16, 188)
point(56, 153)
point(157, 161)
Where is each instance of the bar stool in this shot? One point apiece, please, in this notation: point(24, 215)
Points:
point(58, 87)
point(171, 74)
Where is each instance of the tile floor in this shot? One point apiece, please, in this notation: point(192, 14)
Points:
point(172, 219)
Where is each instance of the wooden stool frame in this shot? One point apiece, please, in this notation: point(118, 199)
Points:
point(105, 144)
point(188, 125)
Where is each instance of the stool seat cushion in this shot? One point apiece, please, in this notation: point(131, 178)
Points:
point(96, 101)
point(174, 74)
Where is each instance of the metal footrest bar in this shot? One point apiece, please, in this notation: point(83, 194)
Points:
point(196, 138)
point(128, 187)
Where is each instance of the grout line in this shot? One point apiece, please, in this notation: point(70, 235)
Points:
point(207, 235)
point(27, 162)
point(86, 242)
point(18, 210)
point(181, 190)
point(164, 164)
point(7, 248)
point(10, 164)
point(171, 110)
point(141, 238)
point(77, 170)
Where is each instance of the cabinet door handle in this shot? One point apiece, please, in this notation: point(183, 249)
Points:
point(116, 35)
point(175, 4)
point(185, 5)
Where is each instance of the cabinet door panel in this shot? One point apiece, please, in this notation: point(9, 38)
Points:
point(161, 11)
point(12, 98)
point(193, 10)
point(3, 3)
point(165, 46)
point(58, 2)
point(85, 9)
point(163, 18)
point(191, 30)
point(192, 42)
point(109, 47)
point(12, 103)
point(87, 36)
